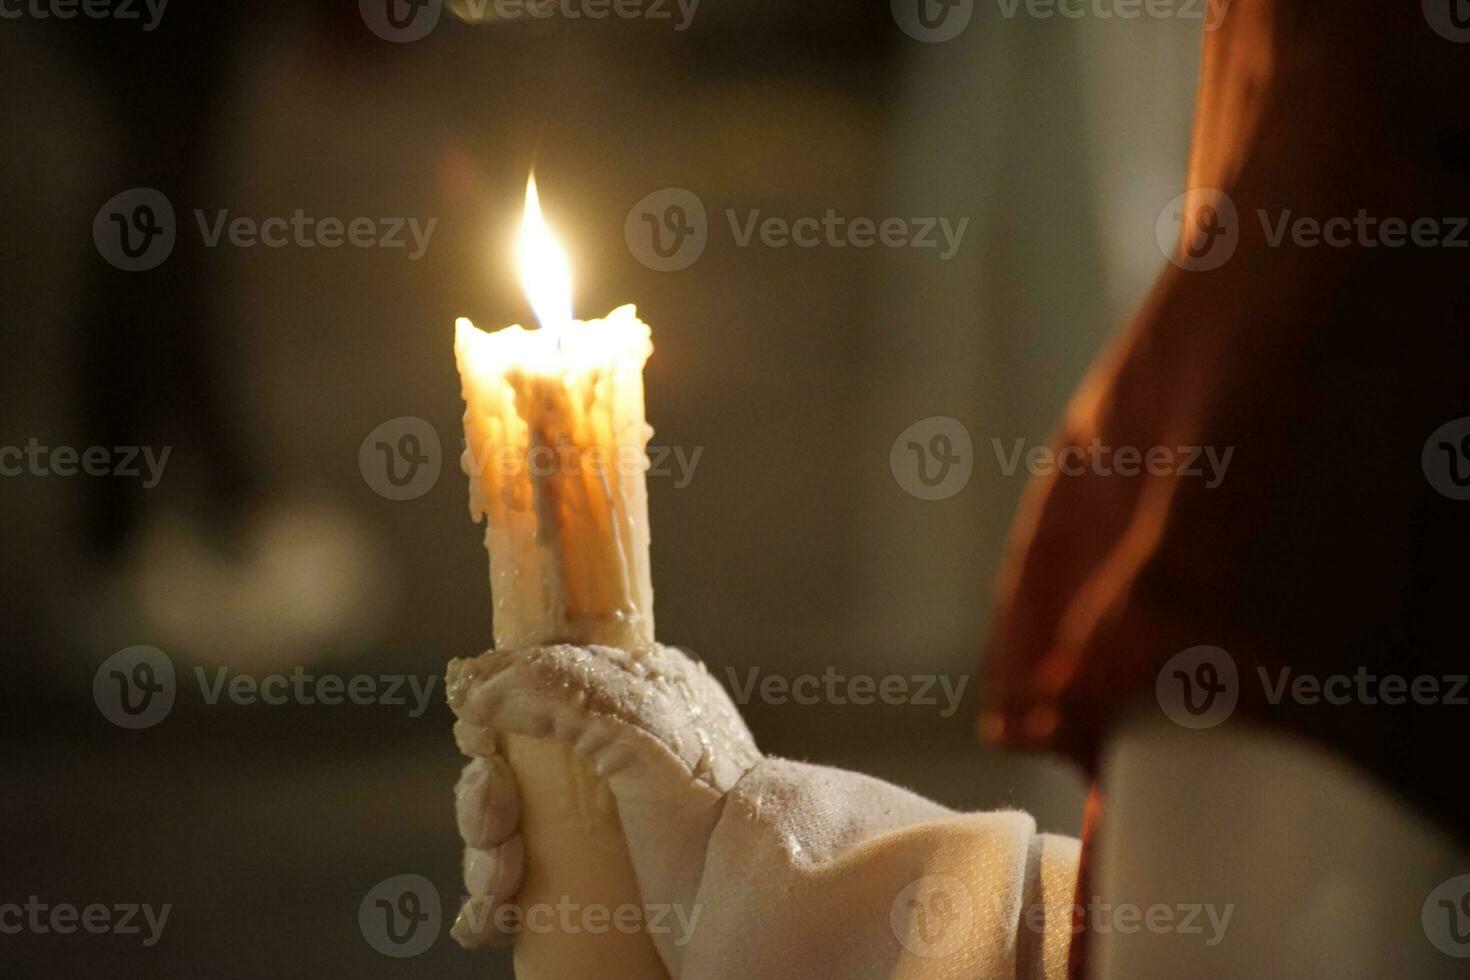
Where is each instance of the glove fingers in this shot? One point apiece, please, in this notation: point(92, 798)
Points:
point(504, 705)
point(491, 877)
point(525, 692)
point(495, 872)
point(487, 806)
point(487, 802)
point(598, 699)
point(475, 741)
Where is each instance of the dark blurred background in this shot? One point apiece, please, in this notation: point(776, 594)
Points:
point(266, 545)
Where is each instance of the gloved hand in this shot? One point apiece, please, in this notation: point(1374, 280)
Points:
point(794, 870)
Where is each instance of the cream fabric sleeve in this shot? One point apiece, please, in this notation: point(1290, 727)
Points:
point(775, 868)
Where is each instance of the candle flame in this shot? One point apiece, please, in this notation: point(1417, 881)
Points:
point(545, 274)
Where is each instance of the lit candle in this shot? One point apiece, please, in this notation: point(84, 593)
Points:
point(555, 448)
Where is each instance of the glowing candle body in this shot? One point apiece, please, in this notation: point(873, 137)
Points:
point(555, 447)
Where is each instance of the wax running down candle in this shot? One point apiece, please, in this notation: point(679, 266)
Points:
point(555, 448)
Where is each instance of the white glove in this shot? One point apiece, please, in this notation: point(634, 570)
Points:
point(778, 868)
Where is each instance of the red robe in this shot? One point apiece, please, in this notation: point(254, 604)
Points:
point(1327, 548)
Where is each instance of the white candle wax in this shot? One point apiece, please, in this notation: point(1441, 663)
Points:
point(556, 451)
